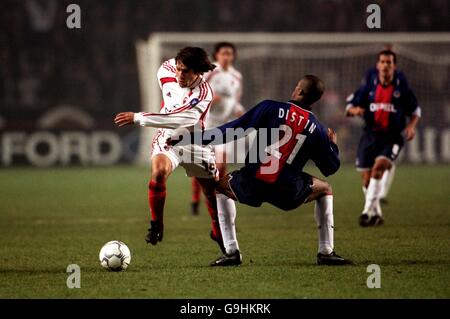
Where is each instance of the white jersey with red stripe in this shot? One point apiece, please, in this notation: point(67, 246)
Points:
point(181, 107)
point(228, 85)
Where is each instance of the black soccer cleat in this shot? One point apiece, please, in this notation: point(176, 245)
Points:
point(364, 220)
point(332, 260)
point(195, 208)
point(376, 220)
point(219, 242)
point(155, 233)
point(234, 259)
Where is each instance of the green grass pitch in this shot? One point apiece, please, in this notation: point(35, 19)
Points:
point(50, 218)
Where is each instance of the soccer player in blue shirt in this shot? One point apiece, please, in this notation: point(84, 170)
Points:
point(293, 135)
point(385, 102)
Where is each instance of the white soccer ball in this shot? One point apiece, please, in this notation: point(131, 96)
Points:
point(115, 256)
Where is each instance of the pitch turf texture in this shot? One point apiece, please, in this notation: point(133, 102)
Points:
point(51, 218)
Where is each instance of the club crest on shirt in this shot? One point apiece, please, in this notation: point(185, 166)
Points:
point(396, 94)
point(194, 102)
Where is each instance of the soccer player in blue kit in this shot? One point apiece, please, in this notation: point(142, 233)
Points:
point(294, 136)
point(385, 101)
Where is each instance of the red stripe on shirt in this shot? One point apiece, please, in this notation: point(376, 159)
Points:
point(168, 80)
point(202, 117)
point(168, 69)
point(210, 89)
point(202, 91)
point(170, 66)
point(381, 117)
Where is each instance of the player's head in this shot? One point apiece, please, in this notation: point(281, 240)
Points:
point(191, 62)
point(308, 90)
point(386, 63)
point(224, 53)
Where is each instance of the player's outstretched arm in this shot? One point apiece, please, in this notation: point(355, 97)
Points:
point(222, 134)
point(185, 118)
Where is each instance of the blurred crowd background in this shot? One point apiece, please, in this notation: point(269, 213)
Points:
point(43, 64)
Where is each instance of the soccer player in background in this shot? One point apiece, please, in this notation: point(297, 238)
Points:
point(293, 135)
point(388, 175)
point(186, 101)
point(385, 102)
point(226, 83)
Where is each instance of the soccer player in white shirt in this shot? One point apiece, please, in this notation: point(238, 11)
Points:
point(226, 82)
point(187, 99)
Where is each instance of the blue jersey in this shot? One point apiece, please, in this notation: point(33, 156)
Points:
point(386, 107)
point(302, 138)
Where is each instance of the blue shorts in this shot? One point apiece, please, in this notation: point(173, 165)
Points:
point(286, 195)
point(373, 145)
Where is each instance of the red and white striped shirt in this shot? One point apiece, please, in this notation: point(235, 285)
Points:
point(181, 107)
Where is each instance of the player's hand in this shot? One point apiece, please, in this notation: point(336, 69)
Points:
point(332, 135)
point(410, 132)
point(355, 111)
point(124, 118)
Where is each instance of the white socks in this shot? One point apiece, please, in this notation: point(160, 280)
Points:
point(386, 181)
point(227, 215)
point(372, 205)
point(323, 213)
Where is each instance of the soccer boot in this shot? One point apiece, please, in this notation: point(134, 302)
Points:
point(155, 233)
point(234, 259)
point(364, 220)
point(219, 241)
point(332, 259)
point(195, 208)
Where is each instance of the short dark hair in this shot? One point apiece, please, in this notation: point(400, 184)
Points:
point(220, 45)
point(387, 52)
point(195, 59)
point(313, 88)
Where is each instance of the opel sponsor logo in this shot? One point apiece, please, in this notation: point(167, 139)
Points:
point(388, 107)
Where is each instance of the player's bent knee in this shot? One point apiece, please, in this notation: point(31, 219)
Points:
point(160, 174)
point(381, 165)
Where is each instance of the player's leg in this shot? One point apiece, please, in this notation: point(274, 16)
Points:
point(365, 178)
point(386, 182)
point(322, 194)
point(208, 188)
point(196, 192)
point(372, 203)
point(203, 167)
point(365, 159)
point(221, 160)
point(227, 218)
point(161, 168)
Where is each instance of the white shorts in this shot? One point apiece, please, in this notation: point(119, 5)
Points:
point(198, 161)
